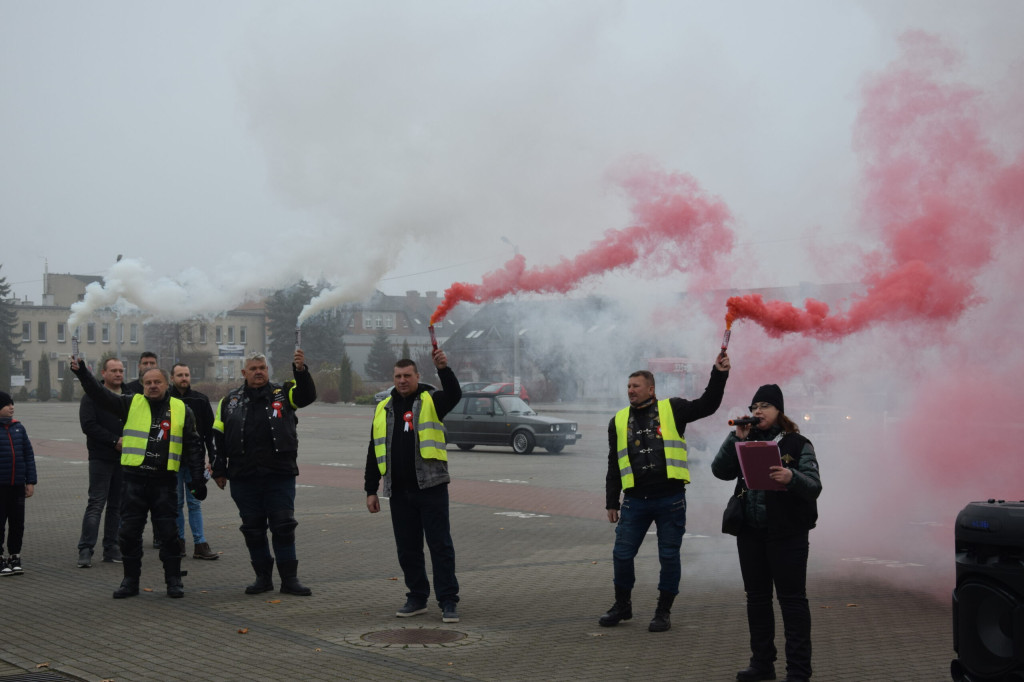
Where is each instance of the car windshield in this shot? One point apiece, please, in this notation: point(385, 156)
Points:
point(512, 404)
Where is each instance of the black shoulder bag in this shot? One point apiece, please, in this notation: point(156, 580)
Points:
point(732, 519)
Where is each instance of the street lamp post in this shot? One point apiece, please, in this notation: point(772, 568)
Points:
point(117, 319)
point(515, 330)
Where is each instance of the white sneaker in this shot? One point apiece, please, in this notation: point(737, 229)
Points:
point(5, 567)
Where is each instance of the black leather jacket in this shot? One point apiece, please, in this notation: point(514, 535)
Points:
point(255, 432)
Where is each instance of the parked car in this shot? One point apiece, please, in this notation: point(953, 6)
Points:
point(380, 395)
point(34, 394)
point(470, 386)
point(493, 419)
point(507, 388)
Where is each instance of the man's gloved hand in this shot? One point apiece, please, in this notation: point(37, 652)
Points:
point(198, 490)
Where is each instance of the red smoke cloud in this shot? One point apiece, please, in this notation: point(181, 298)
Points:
point(676, 227)
point(933, 186)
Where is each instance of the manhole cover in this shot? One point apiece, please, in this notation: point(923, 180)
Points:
point(414, 636)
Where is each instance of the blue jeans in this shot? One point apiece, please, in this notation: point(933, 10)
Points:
point(195, 510)
point(265, 503)
point(636, 516)
point(105, 481)
point(417, 514)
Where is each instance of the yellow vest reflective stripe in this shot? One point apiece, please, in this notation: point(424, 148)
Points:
point(380, 435)
point(429, 431)
point(675, 445)
point(218, 424)
point(622, 448)
point(135, 436)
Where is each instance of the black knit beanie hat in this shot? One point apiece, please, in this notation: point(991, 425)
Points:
point(5, 400)
point(771, 394)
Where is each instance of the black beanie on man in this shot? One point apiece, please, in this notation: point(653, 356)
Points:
point(5, 400)
point(771, 394)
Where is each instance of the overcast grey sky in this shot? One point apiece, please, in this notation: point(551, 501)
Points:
point(393, 144)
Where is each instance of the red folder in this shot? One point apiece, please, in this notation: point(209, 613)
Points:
point(756, 456)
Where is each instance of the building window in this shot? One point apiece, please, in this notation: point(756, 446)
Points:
point(62, 367)
point(188, 335)
point(60, 332)
point(389, 321)
point(133, 333)
point(120, 332)
point(231, 334)
point(105, 332)
point(202, 333)
point(90, 332)
point(26, 369)
point(241, 335)
point(218, 334)
point(26, 331)
point(41, 332)
point(367, 320)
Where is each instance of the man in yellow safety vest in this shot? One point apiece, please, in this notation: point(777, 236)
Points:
point(647, 462)
point(159, 438)
point(407, 451)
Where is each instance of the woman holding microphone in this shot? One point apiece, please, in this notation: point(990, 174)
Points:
point(773, 543)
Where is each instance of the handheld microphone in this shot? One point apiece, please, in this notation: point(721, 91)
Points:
point(744, 421)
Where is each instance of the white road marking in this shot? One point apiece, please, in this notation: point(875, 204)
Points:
point(888, 563)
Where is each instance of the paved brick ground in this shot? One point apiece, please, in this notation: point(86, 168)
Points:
point(533, 559)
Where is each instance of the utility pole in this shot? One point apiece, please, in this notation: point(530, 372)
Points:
point(515, 331)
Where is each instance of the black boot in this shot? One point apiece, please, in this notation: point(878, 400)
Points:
point(264, 577)
point(753, 674)
point(622, 609)
point(661, 621)
point(172, 576)
point(129, 588)
point(289, 583)
point(175, 589)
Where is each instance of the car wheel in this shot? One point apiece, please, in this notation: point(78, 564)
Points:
point(522, 442)
point(465, 446)
point(555, 449)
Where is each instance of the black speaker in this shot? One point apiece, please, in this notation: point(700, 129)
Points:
point(988, 601)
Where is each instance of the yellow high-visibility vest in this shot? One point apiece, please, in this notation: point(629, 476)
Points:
point(136, 433)
point(429, 431)
point(675, 445)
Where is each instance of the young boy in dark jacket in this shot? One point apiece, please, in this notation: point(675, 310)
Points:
point(17, 481)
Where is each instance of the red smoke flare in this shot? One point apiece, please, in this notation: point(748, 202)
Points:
point(930, 180)
point(677, 226)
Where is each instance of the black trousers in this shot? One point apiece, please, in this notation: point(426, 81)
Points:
point(12, 515)
point(140, 496)
point(417, 515)
point(770, 559)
